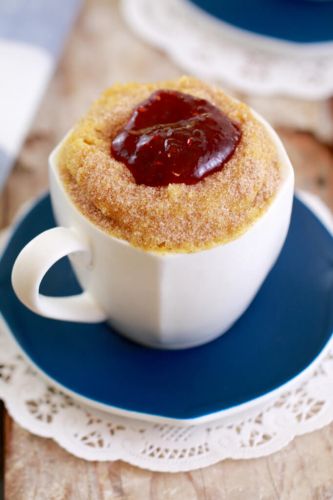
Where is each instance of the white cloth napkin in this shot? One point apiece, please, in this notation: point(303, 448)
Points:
point(32, 33)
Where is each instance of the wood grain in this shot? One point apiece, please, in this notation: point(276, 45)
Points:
point(100, 51)
point(39, 469)
point(2, 450)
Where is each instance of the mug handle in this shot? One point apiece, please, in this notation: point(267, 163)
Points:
point(33, 262)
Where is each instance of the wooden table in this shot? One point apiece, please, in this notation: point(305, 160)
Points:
point(100, 51)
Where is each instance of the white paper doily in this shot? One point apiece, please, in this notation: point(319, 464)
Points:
point(93, 435)
point(212, 50)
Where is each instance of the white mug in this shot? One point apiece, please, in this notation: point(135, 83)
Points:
point(161, 300)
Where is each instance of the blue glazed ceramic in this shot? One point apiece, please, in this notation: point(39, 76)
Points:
point(297, 21)
point(279, 336)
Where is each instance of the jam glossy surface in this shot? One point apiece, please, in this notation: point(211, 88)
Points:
point(175, 138)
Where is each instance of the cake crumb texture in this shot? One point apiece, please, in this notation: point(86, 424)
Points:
point(177, 217)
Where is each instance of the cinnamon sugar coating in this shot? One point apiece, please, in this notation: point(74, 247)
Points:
point(177, 217)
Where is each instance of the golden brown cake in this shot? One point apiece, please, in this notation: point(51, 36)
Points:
point(177, 217)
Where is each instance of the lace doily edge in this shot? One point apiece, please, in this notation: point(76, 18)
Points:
point(182, 58)
point(152, 464)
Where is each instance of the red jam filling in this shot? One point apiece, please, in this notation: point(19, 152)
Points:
point(173, 137)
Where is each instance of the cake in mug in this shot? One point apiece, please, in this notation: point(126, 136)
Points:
point(174, 166)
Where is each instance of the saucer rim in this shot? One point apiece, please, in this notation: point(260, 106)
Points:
point(242, 408)
point(155, 418)
point(256, 39)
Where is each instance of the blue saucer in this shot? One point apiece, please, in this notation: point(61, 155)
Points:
point(300, 21)
point(280, 335)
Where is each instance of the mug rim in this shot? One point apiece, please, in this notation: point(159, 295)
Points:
point(287, 177)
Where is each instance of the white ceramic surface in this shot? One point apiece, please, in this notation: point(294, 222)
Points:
point(162, 300)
